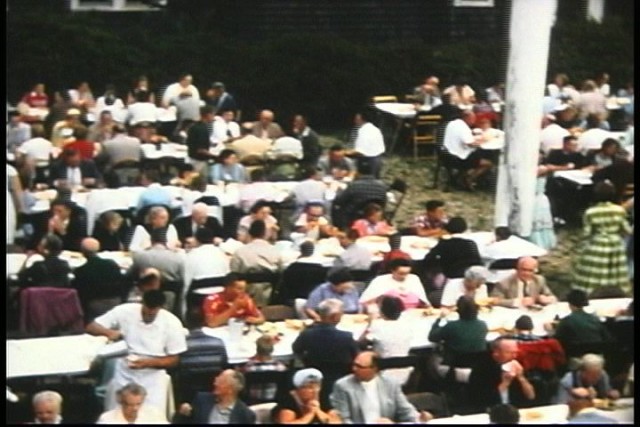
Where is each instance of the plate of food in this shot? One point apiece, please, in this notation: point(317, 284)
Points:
point(530, 415)
point(605, 404)
point(295, 324)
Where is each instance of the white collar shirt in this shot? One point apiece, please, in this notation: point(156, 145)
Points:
point(369, 141)
point(457, 137)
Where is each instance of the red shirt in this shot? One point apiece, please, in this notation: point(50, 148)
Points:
point(216, 304)
point(36, 100)
point(84, 147)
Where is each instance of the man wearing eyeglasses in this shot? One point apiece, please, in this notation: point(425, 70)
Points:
point(524, 288)
point(369, 397)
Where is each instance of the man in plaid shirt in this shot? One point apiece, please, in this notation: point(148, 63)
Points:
point(263, 361)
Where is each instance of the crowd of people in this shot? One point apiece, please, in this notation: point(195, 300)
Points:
point(79, 143)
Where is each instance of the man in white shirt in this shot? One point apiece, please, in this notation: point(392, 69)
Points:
point(399, 283)
point(35, 152)
point(369, 144)
point(472, 285)
point(552, 136)
point(369, 397)
point(225, 128)
point(462, 144)
point(183, 88)
point(155, 338)
point(204, 261)
point(132, 408)
point(141, 110)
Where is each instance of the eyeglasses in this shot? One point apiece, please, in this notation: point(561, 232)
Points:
point(359, 366)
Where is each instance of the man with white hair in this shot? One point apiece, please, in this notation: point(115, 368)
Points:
point(499, 378)
point(187, 226)
point(132, 409)
point(47, 407)
point(472, 285)
point(220, 406)
point(525, 287)
point(325, 347)
point(590, 375)
point(265, 127)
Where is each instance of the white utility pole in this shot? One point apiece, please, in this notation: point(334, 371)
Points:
point(595, 10)
point(529, 39)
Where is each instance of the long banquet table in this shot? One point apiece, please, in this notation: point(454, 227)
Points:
point(73, 355)
point(623, 412)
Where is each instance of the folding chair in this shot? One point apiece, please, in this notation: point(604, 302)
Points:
point(425, 127)
point(399, 190)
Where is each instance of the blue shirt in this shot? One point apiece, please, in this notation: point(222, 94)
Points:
point(325, 291)
point(154, 195)
point(228, 173)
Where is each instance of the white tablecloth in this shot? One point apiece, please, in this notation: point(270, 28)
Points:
point(69, 355)
point(551, 414)
point(401, 110)
point(578, 176)
point(497, 319)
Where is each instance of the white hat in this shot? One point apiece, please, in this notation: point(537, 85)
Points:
point(304, 376)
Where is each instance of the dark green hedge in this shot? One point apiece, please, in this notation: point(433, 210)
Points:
point(324, 77)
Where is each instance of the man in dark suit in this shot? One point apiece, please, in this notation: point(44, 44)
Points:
point(324, 347)
point(499, 378)
point(68, 222)
point(99, 281)
point(311, 148)
point(199, 218)
point(221, 406)
point(219, 98)
point(72, 171)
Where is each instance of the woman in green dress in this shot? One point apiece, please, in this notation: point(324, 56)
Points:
point(602, 260)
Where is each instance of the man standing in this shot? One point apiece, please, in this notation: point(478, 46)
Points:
point(220, 99)
point(499, 378)
point(198, 141)
point(368, 397)
point(325, 347)
point(369, 145)
point(220, 406)
point(155, 338)
point(524, 288)
point(309, 138)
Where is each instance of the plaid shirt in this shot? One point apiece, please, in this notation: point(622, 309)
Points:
point(267, 391)
point(423, 221)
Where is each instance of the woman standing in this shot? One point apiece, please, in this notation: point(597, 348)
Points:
point(542, 233)
point(602, 259)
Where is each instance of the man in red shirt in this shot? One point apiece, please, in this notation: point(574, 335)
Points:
point(232, 302)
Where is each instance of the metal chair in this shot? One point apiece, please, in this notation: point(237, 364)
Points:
point(384, 98)
point(434, 403)
point(399, 189)
point(424, 132)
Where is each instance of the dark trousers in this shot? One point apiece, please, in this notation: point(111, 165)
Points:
point(374, 163)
